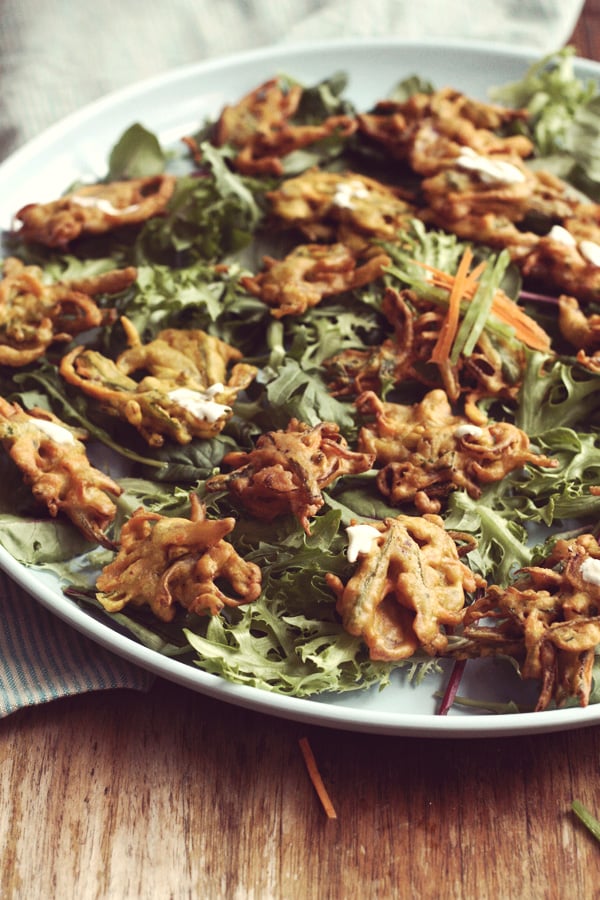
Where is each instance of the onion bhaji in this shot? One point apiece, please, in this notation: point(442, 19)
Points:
point(186, 390)
point(261, 129)
point(95, 209)
point(425, 451)
point(492, 210)
point(405, 589)
point(477, 184)
point(406, 356)
point(287, 470)
point(581, 329)
point(53, 459)
point(308, 274)
point(548, 618)
point(501, 202)
point(567, 257)
point(163, 561)
point(35, 314)
point(345, 207)
point(428, 130)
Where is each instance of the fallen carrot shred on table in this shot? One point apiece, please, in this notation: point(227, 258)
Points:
point(316, 779)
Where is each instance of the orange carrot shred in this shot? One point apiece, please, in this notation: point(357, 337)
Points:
point(503, 308)
point(460, 282)
point(316, 779)
point(526, 328)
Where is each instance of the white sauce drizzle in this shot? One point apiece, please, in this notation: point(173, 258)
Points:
point(103, 205)
point(467, 430)
point(590, 570)
point(492, 170)
point(560, 234)
point(360, 540)
point(200, 403)
point(591, 251)
point(347, 191)
point(55, 432)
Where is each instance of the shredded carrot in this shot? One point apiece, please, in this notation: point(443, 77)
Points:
point(504, 309)
point(316, 779)
point(526, 328)
point(460, 283)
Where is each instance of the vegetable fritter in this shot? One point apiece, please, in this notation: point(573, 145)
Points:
point(287, 470)
point(54, 463)
point(425, 450)
point(35, 314)
point(345, 207)
point(407, 586)
point(95, 209)
point(308, 274)
point(164, 561)
point(428, 130)
point(186, 389)
point(407, 355)
point(548, 617)
point(261, 128)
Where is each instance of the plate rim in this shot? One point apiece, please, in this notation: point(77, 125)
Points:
point(274, 51)
point(307, 710)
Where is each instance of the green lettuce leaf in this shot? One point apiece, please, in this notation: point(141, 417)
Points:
point(293, 392)
point(137, 154)
point(501, 542)
point(291, 640)
point(557, 393)
point(564, 118)
point(211, 214)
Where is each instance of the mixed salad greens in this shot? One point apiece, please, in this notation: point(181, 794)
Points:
point(291, 639)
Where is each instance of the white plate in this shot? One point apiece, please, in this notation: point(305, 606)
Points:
point(176, 104)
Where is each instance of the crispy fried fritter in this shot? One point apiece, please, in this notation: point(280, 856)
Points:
point(308, 274)
point(477, 184)
point(259, 128)
point(185, 358)
point(95, 209)
point(566, 258)
point(405, 589)
point(346, 207)
point(54, 463)
point(287, 470)
point(164, 561)
point(186, 389)
point(427, 130)
point(490, 209)
point(580, 330)
point(549, 618)
point(407, 356)
point(34, 314)
point(426, 451)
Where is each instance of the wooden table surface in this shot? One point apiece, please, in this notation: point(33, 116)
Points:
point(174, 795)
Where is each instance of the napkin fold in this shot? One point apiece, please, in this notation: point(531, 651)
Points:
point(57, 57)
point(42, 658)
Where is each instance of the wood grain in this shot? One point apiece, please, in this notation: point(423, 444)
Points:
point(172, 795)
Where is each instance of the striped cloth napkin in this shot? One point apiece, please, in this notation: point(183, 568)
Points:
point(42, 658)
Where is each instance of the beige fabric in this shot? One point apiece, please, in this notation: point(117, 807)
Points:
point(56, 57)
